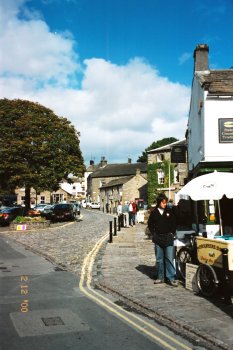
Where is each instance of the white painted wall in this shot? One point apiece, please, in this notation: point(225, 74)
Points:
point(215, 151)
point(203, 133)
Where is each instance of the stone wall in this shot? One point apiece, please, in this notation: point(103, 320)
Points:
point(29, 225)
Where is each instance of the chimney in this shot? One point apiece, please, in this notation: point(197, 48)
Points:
point(200, 56)
point(91, 162)
point(129, 160)
point(103, 162)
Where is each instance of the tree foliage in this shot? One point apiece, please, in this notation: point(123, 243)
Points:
point(37, 148)
point(156, 144)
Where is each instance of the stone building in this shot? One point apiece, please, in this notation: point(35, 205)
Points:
point(175, 156)
point(65, 193)
point(105, 173)
point(123, 189)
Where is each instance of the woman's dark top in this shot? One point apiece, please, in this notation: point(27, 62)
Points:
point(162, 227)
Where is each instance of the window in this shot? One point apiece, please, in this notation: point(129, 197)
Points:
point(57, 198)
point(42, 199)
point(160, 174)
point(160, 158)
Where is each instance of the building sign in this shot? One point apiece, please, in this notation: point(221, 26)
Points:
point(225, 128)
point(178, 154)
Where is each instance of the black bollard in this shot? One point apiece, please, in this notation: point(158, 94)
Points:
point(226, 282)
point(110, 231)
point(119, 223)
point(115, 226)
point(122, 220)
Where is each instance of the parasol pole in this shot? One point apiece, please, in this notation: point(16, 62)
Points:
point(220, 218)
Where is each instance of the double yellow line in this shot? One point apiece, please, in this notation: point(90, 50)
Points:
point(85, 287)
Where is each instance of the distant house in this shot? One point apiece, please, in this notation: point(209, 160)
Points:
point(105, 173)
point(167, 169)
point(123, 189)
point(65, 193)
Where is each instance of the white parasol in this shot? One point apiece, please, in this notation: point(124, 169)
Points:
point(210, 186)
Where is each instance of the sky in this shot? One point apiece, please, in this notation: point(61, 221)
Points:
point(120, 70)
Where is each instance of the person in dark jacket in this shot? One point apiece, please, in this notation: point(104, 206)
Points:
point(162, 226)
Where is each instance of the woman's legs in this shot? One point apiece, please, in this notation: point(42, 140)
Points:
point(159, 268)
point(169, 265)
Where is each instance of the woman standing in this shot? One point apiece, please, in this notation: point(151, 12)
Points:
point(162, 226)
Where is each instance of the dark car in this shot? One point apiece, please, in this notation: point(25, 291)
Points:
point(63, 212)
point(7, 215)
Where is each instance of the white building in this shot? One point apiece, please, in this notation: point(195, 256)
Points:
point(210, 125)
point(210, 134)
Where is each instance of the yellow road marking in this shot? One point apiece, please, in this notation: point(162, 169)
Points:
point(87, 272)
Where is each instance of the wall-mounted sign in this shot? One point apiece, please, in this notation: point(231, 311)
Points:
point(225, 128)
point(178, 154)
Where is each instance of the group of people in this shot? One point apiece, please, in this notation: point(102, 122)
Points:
point(128, 213)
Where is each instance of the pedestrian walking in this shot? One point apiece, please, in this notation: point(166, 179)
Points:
point(120, 214)
point(125, 211)
point(135, 210)
point(131, 213)
point(162, 226)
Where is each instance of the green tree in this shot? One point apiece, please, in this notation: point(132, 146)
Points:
point(155, 144)
point(37, 148)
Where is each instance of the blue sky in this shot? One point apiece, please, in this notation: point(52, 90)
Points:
point(120, 70)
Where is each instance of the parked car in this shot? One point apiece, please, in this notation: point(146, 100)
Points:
point(33, 212)
point(86, 204)
point(94, 205)
point(47, 211)
point(7, 215)
point(40, 207)
point(62, 211)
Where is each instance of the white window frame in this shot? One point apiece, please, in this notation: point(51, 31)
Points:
point(161, 177)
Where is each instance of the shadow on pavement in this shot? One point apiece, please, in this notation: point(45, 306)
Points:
point(147, 270)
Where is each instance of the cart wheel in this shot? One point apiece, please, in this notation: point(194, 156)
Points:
point(207, 280)
point(183, 257)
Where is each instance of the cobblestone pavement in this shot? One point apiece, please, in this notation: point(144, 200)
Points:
point(126, 268)
point(65, 244)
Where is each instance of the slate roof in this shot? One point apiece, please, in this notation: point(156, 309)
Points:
point(168, 147)
point(124, 169)
point(117, 182)
point(217, 82)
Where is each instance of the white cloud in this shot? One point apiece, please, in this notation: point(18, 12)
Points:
point(119, 110)
point(184, 57)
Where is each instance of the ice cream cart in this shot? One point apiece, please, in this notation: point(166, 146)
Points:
point(215, 260)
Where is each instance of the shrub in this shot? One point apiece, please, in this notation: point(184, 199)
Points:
point(29, 218)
